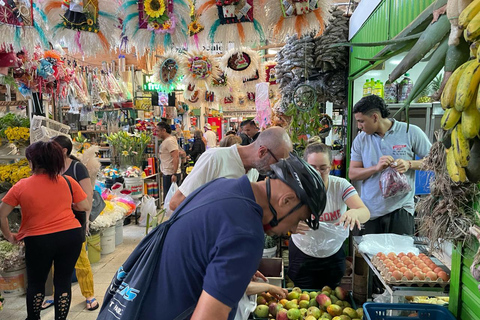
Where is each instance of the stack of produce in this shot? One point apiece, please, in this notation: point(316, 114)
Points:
point(441, 301)
point(303, 305)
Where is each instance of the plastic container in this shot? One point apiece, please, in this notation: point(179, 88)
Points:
point(119, 232)
point(390, 92)
point(365, 87)
point(135, 185)
point(107, 240)
point(93, 248)
point(378, 89)
point(405, 88)
point(13, 283)
point(393, 311)
point(272, 269)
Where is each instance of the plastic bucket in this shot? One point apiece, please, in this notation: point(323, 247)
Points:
point(93, 248)
point(14, 282)
point(135, 185)
point(119, 232)
point(269, 253)
point(107, 240)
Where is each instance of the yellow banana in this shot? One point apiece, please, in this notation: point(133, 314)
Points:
point(472, 32)
point(467, 86)
point(450, 118)
point(457, 174)
point(461, 147)
point(448, 95)
point(469, 13)
point(471, 121)
point(474, 50)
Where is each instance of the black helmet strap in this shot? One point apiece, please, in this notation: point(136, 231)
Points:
point(275, 221)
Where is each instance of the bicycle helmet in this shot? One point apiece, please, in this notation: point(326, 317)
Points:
point(307, 184)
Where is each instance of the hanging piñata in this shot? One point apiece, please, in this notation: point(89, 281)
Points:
point(22, 26)
point(152, 23)
point(87, 27)
point(302, 17)
point(235, 21)
point(167, 72)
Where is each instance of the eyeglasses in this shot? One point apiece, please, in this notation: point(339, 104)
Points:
point(271, 153)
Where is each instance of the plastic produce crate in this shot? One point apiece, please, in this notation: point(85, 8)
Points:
point(396, 311)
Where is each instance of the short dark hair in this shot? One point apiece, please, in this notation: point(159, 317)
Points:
point(66, 143)
point(248, 122)
point(369, 104)
point(164, 125)
point(46, 157)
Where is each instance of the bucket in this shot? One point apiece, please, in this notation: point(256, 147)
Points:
point(93, 248)
point(119, 232)
point(13, 283)
point(269, 253)
point(135, 185)
point(107, 240)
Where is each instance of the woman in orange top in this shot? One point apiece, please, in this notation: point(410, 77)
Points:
point(49, 228)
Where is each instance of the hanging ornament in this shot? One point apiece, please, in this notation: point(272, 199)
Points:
point(258, 77)
point(22, 27)
point(262, 104)
point(240, 64)
point(87, 27)
point(195, 27)
point(167, 72)
point(231, 21)
point(296, 16)
point(152, 23)
point(304, 97)
point(200, 69)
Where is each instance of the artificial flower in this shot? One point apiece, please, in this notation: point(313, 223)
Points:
point(154, 8)
point(125, 153)
point(194, 28)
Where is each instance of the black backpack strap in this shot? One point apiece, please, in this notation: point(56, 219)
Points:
point(69, 186)
point(75, 171)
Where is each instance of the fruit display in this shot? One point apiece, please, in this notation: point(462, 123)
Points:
point(408, 269)
point(441, 301)
point(308, 305)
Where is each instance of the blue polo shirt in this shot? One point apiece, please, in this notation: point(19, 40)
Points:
point(398, 143)
point(216, 248)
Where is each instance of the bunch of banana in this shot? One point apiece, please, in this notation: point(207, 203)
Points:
point(461, 101)
point(469, 20)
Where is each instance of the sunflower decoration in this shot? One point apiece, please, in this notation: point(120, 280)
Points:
point(167, 72)
point(154, 8)
point(194, 28)
point(152, 23)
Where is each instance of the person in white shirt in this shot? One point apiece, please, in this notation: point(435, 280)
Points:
point(316, 257)
point(169, 156)
point(210, 136)
point(235, 161)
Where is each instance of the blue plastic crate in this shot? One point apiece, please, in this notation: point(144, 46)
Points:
point(397, 311)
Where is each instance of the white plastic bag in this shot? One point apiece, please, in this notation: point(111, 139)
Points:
point(148, 207)
point(246, 306)
point(166, 204)
point(323, 242)
point(386, 243)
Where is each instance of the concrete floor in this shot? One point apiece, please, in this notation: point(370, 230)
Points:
point(103, 271)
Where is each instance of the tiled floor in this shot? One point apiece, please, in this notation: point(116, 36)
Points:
point(103, 271)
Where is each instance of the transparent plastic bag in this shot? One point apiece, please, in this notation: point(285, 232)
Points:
point(323, 242)
point(393, 183)
point(166, 204)
point(386, 243)
point(147, 207)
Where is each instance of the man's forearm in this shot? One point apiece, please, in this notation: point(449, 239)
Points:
point(361, 173)
point(175, 164)
point(417, 164)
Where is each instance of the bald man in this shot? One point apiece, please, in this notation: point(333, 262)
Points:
point(235, 161)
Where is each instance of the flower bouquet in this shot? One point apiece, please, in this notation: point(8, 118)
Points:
point(133, 172)
point(128, 147)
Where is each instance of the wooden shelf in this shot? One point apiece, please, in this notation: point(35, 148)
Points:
point(90, 131)
point(151, 176)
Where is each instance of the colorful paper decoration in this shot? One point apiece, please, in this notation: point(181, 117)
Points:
point(200, 69)
point(262, 104)
point(240, 64)
point(87, 27)
point(167, 72)
point(233, 21)
point(286, 17)
point(22, 27)
point(152, 23)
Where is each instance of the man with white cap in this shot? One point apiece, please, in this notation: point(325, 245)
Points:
point(210, 136)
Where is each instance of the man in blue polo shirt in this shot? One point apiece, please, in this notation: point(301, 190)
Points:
point(385, 142)
point(215, 244)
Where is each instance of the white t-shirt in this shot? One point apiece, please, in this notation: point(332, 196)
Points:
point(216, 163)
point(211, 138)
point(328, 238)
point(166, 160)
